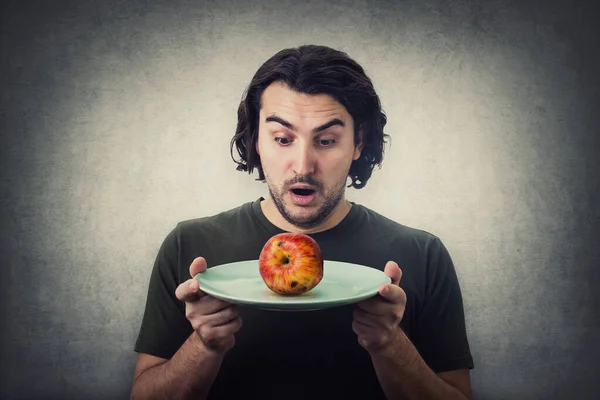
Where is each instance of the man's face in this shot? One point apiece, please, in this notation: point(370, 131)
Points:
point(306, 146)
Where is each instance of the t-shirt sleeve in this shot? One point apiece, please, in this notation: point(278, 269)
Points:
point(440, 332)
point(164, 327)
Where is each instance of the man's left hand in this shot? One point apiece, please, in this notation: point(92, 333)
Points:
point(377, 319)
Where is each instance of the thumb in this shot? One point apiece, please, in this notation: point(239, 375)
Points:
point(392, 293)
point(393, 271)
point(197, 266)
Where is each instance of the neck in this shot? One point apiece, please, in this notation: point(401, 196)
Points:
point(274, 216)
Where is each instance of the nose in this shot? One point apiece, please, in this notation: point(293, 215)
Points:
point(304, 160)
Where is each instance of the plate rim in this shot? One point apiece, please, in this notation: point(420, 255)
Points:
point(295, 305)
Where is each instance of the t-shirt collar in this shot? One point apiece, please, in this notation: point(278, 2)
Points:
point(342, 228)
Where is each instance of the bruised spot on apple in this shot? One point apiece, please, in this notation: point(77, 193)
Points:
point(291, 263)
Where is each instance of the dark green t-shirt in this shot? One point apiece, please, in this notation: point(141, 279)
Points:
point(291, 354)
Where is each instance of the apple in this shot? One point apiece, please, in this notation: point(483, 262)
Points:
point(291, 263)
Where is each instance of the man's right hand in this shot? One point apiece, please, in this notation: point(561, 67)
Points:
point(215, 321)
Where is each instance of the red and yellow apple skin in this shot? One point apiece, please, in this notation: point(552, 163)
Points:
point(291, 263)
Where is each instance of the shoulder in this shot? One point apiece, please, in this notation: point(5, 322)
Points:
point(422, 253)
point(212, 224)
point(378, 225)
point(222, 237)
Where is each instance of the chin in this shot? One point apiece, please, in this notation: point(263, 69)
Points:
point(300, 214)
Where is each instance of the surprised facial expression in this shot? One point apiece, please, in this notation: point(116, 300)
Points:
point(306, 146)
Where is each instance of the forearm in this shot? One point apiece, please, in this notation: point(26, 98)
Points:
point(188, 374)
point(403, 374)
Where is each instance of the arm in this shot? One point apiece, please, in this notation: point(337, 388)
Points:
point(403, 374)
point(192, 370)
point(188, 374)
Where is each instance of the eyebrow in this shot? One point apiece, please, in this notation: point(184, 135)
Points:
point(329, 124)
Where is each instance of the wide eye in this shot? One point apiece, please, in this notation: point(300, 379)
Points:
point(283, 141)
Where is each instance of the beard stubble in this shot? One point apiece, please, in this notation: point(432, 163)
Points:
point(332, 199)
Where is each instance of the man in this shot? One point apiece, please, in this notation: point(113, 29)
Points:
point(309, 121)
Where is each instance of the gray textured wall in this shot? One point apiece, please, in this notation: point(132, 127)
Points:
point(116, 120)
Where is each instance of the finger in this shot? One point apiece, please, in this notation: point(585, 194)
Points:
point(393, 271)
point(197, 266)
point(212, 305)
point(222, 317)
point(365, 334)
point(365, 318)
point(203, 310)
point(372, 306)
point(360, 328)
point(189, 291)
point(222, 331)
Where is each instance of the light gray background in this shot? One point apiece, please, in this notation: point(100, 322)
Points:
point(116, 122)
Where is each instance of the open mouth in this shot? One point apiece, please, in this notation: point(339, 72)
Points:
point(303, 196)
point(303, 192)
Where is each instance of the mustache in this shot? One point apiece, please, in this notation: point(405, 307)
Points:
point(303, 179)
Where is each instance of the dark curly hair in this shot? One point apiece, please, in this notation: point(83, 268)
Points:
point(312, 69)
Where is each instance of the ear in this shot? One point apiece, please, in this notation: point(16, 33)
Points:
point(358, 146)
